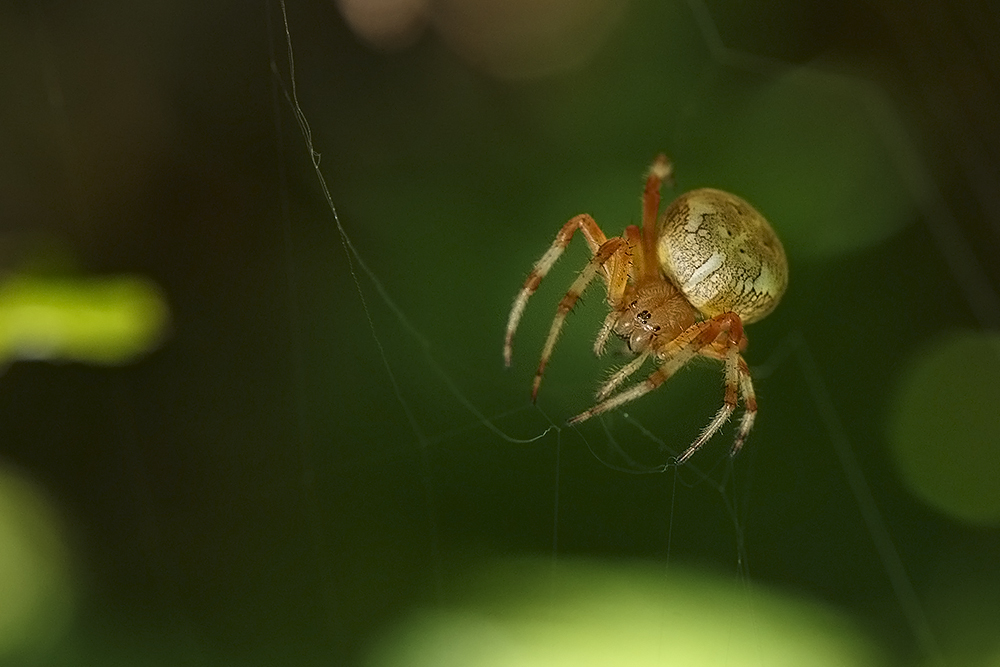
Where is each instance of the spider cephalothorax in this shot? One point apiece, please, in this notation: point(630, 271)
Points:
point(683, 286)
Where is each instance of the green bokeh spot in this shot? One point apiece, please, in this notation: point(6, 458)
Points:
point(35, 582)
point(108, 320)
point(944, 429)
point(813, 152)
point(579, 613)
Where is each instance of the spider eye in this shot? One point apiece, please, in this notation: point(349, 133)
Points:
point(644, 315)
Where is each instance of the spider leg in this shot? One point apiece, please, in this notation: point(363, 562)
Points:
point(618, 284)
point(595, 239)
point(602, 336)
point(661, 170)
point(610, 248)
point(732, 360)
point(622, 374)
point(749, 404)
point(674, 356)
point(727, 346)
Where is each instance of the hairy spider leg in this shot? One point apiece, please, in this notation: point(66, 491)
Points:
point(749, 407)
point(644, 265)
point(622, 374)
point(618, 284)
point(673, 356)
point(613, 248)
point(726, 347)
point(660, 170)
point(724, 413)
point(595, 239)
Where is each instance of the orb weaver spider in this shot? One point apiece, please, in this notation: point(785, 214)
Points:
point(683, 286)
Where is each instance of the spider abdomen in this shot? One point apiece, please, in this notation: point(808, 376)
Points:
point(722, 254)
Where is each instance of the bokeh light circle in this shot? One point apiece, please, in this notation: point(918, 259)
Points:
point(35, 581)
point(944, 430)
point(812, 152)
point(534, 612)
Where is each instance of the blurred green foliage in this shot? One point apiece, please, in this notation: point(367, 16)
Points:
point(109, 320)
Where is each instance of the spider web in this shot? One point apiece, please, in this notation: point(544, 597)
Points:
point(300, 469)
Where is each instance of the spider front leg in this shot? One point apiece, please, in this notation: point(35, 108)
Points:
point(614, 249)
point(632, 267)
point(595, 239)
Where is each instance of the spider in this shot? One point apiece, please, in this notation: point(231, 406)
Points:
point(682, 286)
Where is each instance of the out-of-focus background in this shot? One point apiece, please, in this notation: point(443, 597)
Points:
point(239, 429)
